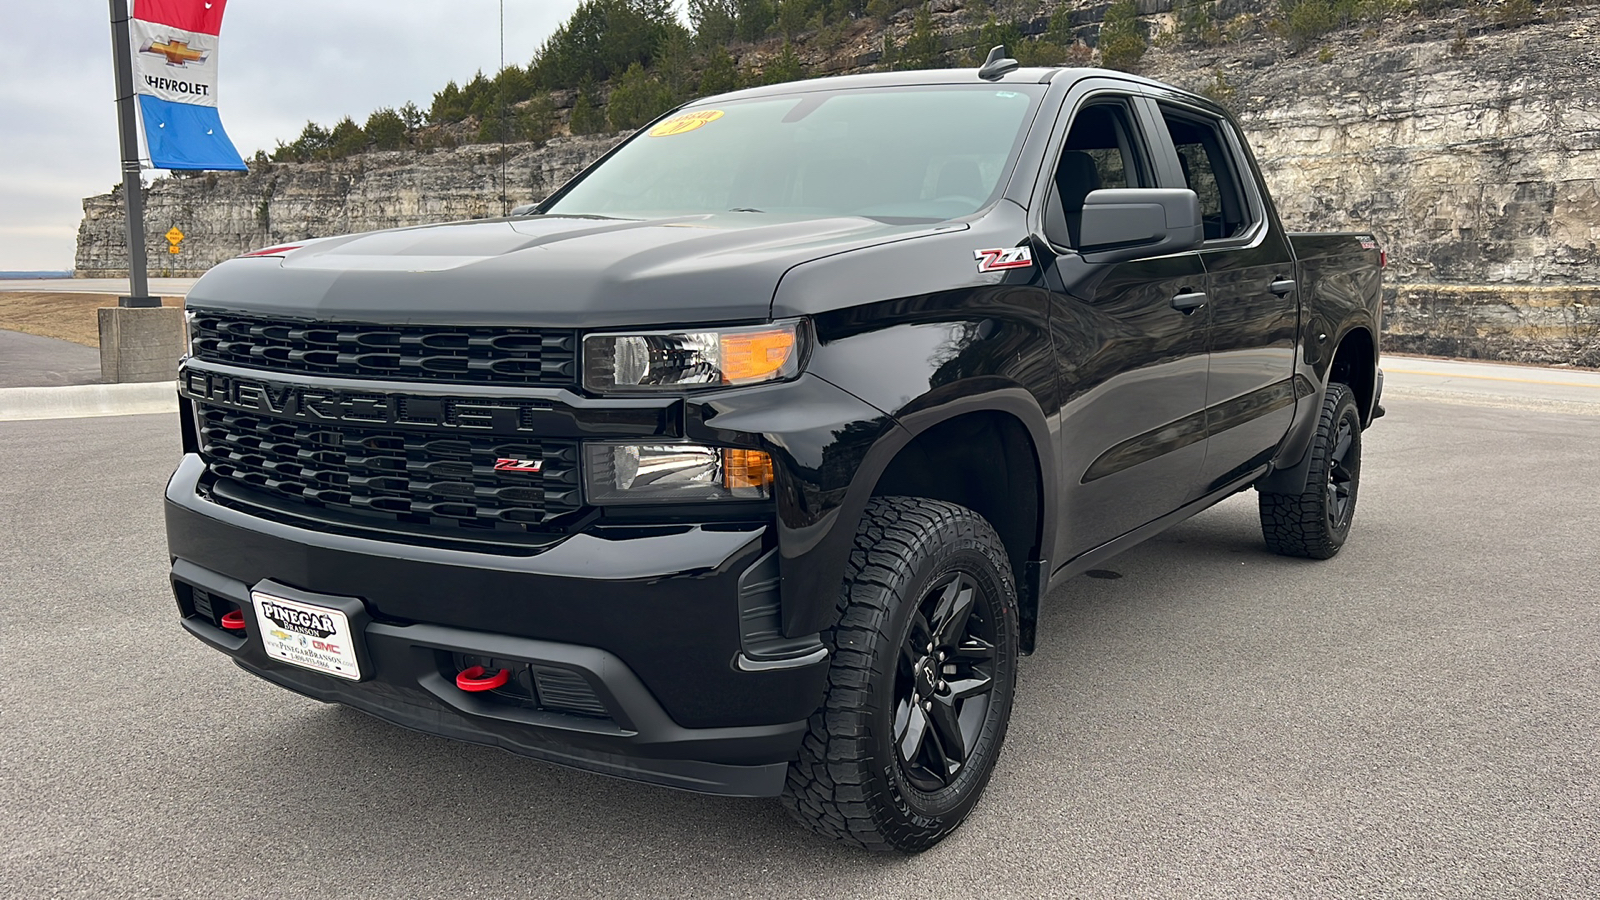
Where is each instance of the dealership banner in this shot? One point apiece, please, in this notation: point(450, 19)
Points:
point(175, 76)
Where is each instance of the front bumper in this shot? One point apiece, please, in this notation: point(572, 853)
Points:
point(638, 629)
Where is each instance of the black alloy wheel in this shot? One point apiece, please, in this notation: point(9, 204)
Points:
point(1315, 521)
point(1344, 461)
point(943, 685)
point(922, 673)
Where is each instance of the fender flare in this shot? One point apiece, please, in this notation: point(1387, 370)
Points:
point(812, 558)
point(1291, 477)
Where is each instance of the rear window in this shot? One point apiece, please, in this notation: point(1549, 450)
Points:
point(921, 153)
point(1208, 169)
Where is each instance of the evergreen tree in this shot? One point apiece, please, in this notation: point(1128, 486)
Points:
point(675, 65)
point(586, 117)
point(720, 75)
point(785, 67)
point(535, 120)
point(601, 39)
point(995, 34)
point(311, 143)
point(411, 116)
point(638, 97)
point(1196, 21)
point(713, 20)
point(923, 48)
point(890, 56)
point(386, 129)
point(755, 18)
point(1122, 38)
point(346, 139)
point(1053, 48)
point(447, 106)
point(794, 16)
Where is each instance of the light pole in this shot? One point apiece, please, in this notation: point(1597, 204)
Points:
point(132, 190)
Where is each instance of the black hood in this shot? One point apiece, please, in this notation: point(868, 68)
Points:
point(550, 271)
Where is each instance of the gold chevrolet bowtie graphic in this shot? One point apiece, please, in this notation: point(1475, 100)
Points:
point(178, 53)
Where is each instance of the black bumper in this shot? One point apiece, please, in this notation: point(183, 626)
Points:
point(647, 672)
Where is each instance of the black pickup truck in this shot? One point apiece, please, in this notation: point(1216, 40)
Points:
point(742, 463)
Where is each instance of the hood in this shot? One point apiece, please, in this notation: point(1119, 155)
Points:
point(546, 271)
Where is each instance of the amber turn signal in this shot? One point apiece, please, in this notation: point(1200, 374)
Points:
point(756, 355)
point(747, 472)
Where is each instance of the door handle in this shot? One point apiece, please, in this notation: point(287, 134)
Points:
point(1281, 286)
point(1189, 301)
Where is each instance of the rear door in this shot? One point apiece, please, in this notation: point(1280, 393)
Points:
point(1252, 295)
point(1132, 368)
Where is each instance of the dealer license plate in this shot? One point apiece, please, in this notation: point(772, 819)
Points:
point(305, 635)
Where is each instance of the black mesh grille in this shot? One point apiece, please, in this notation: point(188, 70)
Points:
point(568, 691)
point(397, 476)
point(516, 356)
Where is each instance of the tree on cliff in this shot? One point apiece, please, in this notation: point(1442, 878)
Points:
point(1122, 38)
point(714, 21)
point(638, 97)
point(924, 49)
point(720, 75)
point(385, 129)
point(586, 115)
point(786, 67)
point(602, 39)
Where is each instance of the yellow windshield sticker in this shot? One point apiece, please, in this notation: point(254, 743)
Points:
point(685, 122)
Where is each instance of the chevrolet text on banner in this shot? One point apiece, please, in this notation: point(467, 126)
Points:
point(175, 76)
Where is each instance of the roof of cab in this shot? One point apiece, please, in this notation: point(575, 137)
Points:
point(924, 77)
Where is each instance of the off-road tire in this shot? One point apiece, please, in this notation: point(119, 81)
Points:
point(851, 781)
point(1315, 522)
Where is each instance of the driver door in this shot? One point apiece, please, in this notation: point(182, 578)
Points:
point(1132, 366)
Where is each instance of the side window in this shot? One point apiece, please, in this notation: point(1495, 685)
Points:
point(1101, 151)
point(1209, 169)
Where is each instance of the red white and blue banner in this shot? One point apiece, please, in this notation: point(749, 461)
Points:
point(175, 76)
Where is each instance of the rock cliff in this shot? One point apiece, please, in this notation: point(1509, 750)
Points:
point(223, 215)
point(1472, 151)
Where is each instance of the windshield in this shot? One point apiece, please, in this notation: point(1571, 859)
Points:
point(918, 153)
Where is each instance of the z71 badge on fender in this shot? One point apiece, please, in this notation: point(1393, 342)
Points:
point(1003, 258)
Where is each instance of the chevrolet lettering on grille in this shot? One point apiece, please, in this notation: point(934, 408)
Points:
point(309, 404)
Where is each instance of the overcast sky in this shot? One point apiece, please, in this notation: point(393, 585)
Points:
point(282, 62)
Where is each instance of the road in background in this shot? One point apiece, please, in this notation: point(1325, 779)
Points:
point(159, 287)
point(1464, 381)
point(1419, 716)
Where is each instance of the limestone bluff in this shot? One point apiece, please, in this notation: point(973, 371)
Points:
point(1473, 153)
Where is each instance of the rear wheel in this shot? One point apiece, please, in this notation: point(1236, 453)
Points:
point(924, 661)
point(1315, 521)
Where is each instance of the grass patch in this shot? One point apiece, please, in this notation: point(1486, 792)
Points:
point(60, 315)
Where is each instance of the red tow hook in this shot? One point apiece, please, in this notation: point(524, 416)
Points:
point(477, 679)
point(233, 621)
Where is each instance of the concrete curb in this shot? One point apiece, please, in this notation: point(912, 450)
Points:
point(83, 400)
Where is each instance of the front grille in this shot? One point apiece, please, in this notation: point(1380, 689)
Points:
point(390, 475)
point(476, 355)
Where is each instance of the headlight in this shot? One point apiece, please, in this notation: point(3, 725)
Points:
point(674, 473)
point(674, 360)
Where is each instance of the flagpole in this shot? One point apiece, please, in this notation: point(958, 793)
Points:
point(132, 189)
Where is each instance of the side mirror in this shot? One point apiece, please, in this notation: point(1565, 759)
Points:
point(1138, 223)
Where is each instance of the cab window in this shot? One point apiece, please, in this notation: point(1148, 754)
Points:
point(1101, 151)
point(1209, 170)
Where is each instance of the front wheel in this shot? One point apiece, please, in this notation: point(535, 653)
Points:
point(923, 671)
point(1315, 521)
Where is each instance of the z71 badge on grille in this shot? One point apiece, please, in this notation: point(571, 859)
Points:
point(1003, 258)
point(518, 465)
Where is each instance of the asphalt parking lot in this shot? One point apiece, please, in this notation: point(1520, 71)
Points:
point(1418, 717)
